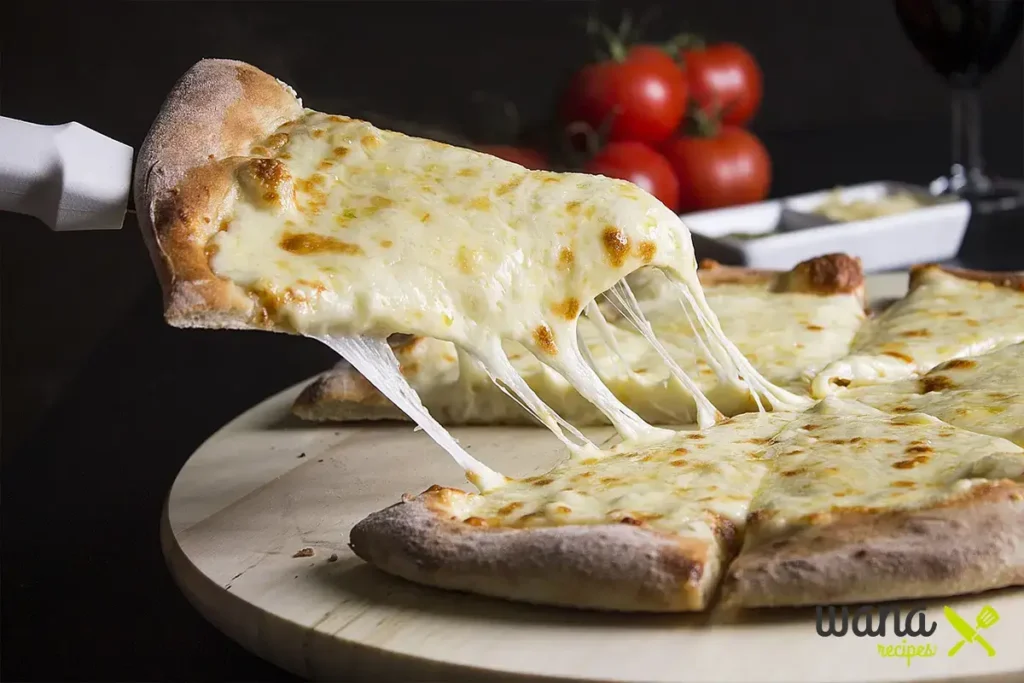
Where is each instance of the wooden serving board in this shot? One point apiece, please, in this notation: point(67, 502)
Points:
point(267, 486)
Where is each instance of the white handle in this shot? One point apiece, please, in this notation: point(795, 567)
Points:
point(68, 176)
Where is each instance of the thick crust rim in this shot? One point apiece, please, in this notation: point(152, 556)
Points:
point(1008, 279)
point(972, 544)
point(606, 567)
point(185, 175)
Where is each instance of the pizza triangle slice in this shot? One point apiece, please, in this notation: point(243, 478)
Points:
point(647, 529)
point(984, 394)
point(948, 313)
point(789, 324)
point(263, 214)
point(861, 506)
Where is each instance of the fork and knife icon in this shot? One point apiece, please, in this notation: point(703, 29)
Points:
point(985, 619)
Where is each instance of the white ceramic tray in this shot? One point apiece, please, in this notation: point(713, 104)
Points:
point(792, 232)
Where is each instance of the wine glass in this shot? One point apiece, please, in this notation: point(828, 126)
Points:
point(964, 40)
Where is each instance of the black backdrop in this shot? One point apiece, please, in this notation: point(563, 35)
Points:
point(846, 100)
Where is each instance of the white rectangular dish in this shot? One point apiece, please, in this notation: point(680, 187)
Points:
point(779, 234)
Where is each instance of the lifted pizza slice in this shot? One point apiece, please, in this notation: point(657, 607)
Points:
point(263, 214)
point(638, 530)
point(984, 394)
point(949, 313)
point(788, 324)
point(861, 506)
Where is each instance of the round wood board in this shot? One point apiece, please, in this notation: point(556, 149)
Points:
point(267, 485)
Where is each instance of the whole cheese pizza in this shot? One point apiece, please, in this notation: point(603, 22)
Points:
point(774, 440)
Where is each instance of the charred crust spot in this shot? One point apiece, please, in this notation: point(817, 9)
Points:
point(545, 340)
point(828, 274)
point(567, 309)
point(930, 383)
point(304, 243)
point(616, 245)
point(898, 356)
point(646, 250)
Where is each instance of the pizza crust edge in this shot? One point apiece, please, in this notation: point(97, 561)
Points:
point(611, 567)
point(187, 171)
point(1008, 279)
point(965, 545)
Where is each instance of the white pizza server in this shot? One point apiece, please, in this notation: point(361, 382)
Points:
point(68, 176)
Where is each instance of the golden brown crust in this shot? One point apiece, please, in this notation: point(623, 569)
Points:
point(972, 543)
point(617, 567)
point(825, 275)
point(1011, 280)
point(187, 173)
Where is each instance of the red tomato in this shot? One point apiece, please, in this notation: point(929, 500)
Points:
point(732, 167)
point(643, 95)
point(524, 156)
point(724, 78)
point(640, 165)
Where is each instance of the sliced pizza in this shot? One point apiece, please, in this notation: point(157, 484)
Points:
point(788, 324)
point(948, 313)
point(984, 393)
point(638, 530)
point(263, 214)
point(862, 506)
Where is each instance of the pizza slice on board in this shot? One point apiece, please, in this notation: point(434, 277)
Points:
point(788, 324)
point(983, 394)
point(647, 529)
point(948, 313)
point(861, 506)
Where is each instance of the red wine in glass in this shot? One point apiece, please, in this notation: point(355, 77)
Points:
point(964, 40)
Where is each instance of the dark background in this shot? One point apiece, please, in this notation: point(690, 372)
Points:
point(846, 100)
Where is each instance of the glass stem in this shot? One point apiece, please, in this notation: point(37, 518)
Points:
point(968, 172)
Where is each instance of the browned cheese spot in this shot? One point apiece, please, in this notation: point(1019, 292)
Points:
point(544, 340)
point(678, 463)
point(541, 482)
point(916, 333)
point(476, 521)
point(480, 203)
point(646, 251)
point(970, 322)
point(930, 383)
point(265, 180)
point(631, 521)
point(370, 142)
point(841, 382)
point(511, 185)
point(911, 463)
point(311, 243)
point(695, 435)
point(567, 309)
point(409, 368)
point(904, 484)
point(260, 151)
point(387, 244)
point(566, 258)
point(339, 152)
point(958, 364)
point(338, 119)
point(814, 328)
point(506, 510)
point(616, 245)
point(898, 356)
point(795, 473)
point(955, 314)
point(324, 165)
point(316, 133)
point(572, 208)
point(919, 447)
point(468, 173)
point(277, 141)
point(903, 409)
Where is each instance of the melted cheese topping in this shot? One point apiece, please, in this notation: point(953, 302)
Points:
point(945, 317)
point(340, 229)
point(691, 485)
point(841, 457)
point(984, 394)
point(787, 336)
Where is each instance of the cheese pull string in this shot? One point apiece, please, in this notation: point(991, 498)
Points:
point(376, 361)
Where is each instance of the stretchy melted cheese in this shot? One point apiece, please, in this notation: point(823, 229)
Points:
point(343, 229)
point(843, 457)
point(942, 318)
point(984, 394)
